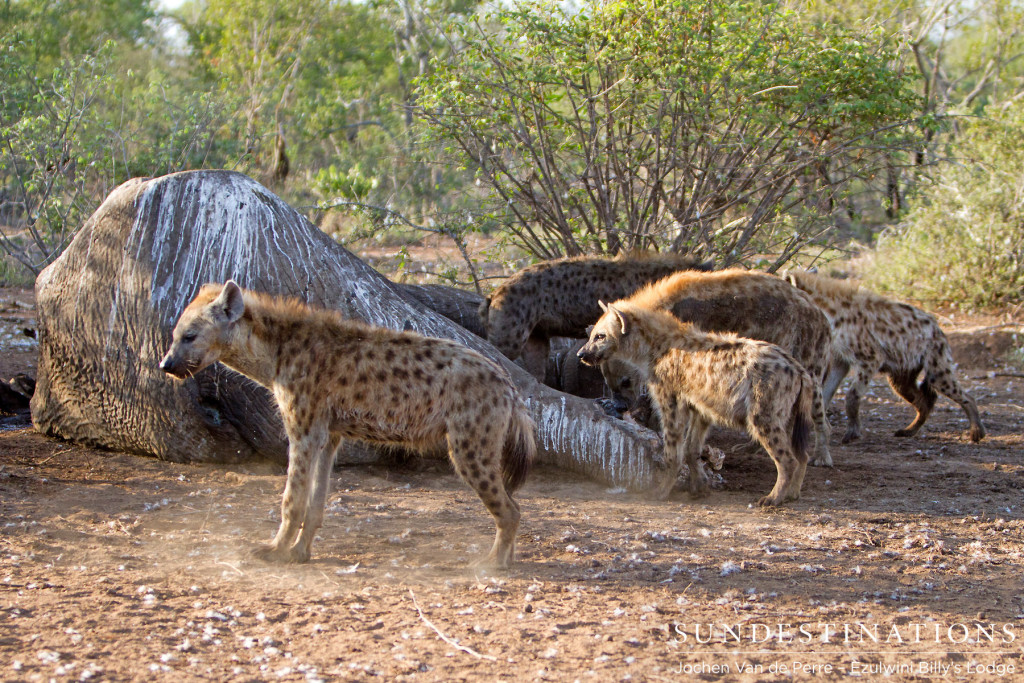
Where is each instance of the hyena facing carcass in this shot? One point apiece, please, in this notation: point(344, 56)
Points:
point(752, 305)
point(340, 379)
point(558, 298)
point(698, 379)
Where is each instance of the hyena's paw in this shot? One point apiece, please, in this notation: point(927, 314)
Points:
point(494, 562)
point(976, 433)
point(271, 553)
point(903, 433)
point(773, 500)
point(698, 481)
point(822, 460)
point(852, 435)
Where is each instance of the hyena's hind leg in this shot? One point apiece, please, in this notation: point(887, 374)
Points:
point(475, 444)
point(858, 387)
point(788, 466)
point(939, 373)
point(922, 397)
point(321, 473)
point(305, 447)
point(837, 371)
point(822, 429)
point(774, 431)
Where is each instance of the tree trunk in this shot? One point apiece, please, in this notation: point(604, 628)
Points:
point(106, 308)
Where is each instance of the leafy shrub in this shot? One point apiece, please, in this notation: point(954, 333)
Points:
point(724, 128)
point(964, 245)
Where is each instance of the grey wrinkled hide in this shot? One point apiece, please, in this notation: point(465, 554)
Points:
point(106, 308)
point(458, 305)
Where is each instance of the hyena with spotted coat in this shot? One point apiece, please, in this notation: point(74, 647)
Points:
point(338, 379)
point(872, 333)
point(558, 298)
point(752, 305)
point(700, 378)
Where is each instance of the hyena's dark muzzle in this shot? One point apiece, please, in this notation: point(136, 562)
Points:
point(590, 355)
point(175, 365)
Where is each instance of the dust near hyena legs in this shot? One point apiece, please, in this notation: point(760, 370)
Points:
point(694, 431)
point(306, 456)
point(314, 518)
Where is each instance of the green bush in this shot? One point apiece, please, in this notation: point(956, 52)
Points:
point(964, 245)
point(727, 128)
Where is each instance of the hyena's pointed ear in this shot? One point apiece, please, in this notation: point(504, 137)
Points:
point(624, 321)
point(603, 305)
point(789, 277)
point(230, 304)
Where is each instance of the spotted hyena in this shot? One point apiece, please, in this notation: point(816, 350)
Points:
point(338, 379)
point(559, 298)
point(701, 378)
point(752, 305)
point(874, 334)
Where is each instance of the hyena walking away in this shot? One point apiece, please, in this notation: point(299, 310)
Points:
point(698, 379)
point(558, 298)
point(340, 379)
point(871, 333)
point(755, 306)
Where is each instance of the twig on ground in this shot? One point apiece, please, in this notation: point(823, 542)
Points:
point(444, 637)
point(228, 564)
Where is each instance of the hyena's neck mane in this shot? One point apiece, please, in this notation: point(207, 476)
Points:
point(665, 292)
point(656, 333)
point(269, 317)
point(652, 334)
point(269, 324)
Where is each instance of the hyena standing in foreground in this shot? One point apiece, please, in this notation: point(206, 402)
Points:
point(559, 298)
point(871, 333)
point(755, 306)
point(340, 379)
point(698, 379)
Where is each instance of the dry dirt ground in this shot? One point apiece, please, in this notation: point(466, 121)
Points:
point(907, 558)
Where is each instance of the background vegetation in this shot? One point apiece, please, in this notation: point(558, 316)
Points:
point(746, 132)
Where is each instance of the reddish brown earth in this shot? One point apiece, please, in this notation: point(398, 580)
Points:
point(117, 567)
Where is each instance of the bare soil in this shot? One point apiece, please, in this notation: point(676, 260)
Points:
point(906, 558)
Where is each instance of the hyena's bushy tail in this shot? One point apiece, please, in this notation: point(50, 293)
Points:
point(803, 421)
point(520, 448)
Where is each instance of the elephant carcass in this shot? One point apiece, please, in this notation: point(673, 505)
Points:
point(106, 307)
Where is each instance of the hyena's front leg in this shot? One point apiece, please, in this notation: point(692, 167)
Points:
point(304, 448)
point(321, 472)
point(694, 433)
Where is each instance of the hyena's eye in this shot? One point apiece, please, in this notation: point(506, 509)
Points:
point(189, 338)
point(599, 337)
